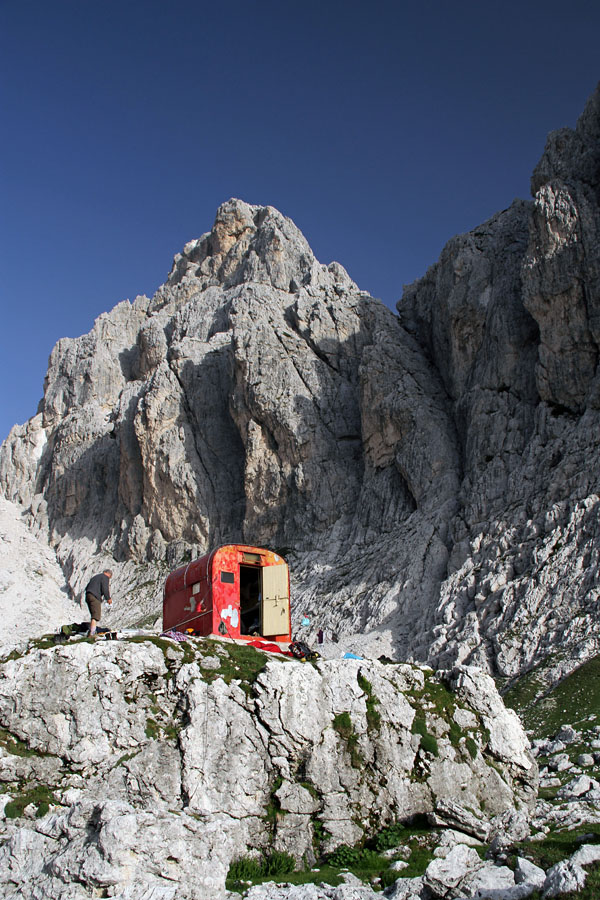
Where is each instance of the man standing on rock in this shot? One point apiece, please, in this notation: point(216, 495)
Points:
point(98, 588)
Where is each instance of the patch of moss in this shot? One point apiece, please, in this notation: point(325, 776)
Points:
point(159, 642)
point(419, 726)
point(41, 796)
point(455, 734)
point(373, 716)
point(471, 747)
point(342, 723)
point(152, 729)
point(15, 746)
point(441, 700)
point(245, 663)
point(308, 786)
point(126, 757)
point(274, 810)
point(357, 760)
point(428, 742)
point(189, 654)
point(238, 662)
point(172, 731)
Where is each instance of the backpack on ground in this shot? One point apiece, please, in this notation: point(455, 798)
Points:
point(302, 651)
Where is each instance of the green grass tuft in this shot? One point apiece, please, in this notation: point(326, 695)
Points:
point(152, 730)
point(251, 868)
point(419, 726)
point(455, 734)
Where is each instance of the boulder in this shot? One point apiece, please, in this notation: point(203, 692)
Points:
point(562, 878)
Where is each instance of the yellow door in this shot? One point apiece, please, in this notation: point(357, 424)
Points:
point(276, 599)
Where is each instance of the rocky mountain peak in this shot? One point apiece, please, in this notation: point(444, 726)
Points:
point(573, 155)
point(252, 244)
point(433, 476)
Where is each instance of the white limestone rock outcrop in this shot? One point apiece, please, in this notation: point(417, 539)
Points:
point(159, 768)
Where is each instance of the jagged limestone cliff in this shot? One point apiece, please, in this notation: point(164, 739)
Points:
point(432, 476)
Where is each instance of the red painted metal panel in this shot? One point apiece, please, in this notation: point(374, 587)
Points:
point(187, 599)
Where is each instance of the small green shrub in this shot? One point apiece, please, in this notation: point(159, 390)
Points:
point(278, 862)
point(320, 835)
point(344, 856)
point(354, 857)
point(247, 868)
point(390, 837)
point(388, 878)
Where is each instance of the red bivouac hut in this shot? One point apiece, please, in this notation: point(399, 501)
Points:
point(236, 591)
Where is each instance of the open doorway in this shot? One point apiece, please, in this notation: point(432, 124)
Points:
point(250, 600)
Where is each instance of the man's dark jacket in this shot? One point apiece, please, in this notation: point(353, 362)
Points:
point(99, 587)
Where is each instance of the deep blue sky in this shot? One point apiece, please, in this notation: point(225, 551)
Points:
point(382, 129)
